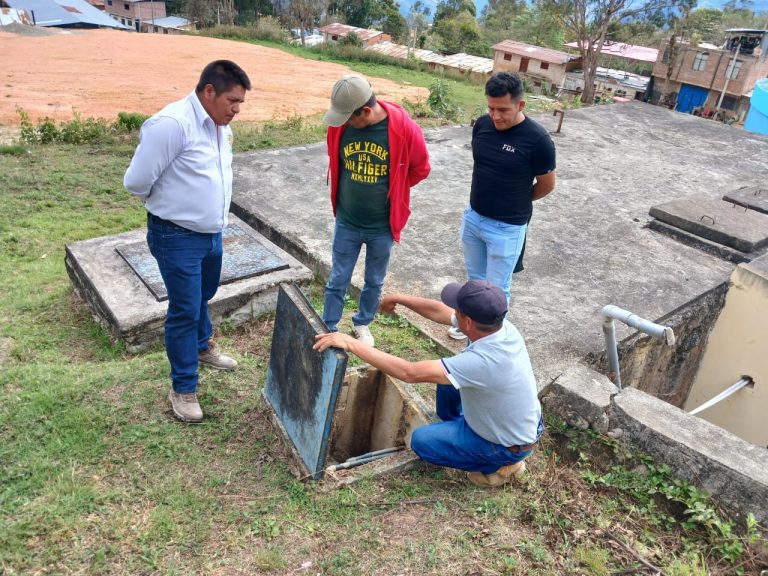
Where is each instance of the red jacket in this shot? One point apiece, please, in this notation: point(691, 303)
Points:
point(408, 163)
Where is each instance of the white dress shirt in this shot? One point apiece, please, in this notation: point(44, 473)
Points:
point(183, 167)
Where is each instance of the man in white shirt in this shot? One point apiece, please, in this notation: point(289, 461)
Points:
point(486, 395)
point(182, 167)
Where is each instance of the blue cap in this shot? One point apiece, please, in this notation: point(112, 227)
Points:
point(482, 301)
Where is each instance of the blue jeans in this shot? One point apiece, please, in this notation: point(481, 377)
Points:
point(346, 248)
point(190, 264)
point(453, 444)
point(491, 248)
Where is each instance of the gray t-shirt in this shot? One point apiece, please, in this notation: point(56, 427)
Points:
point(497, 386)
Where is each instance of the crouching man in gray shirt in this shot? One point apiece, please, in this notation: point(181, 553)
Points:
point(486, 394)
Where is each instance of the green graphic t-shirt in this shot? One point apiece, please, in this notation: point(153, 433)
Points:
point(364, 178)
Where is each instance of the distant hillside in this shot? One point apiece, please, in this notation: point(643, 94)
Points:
point(756, 5)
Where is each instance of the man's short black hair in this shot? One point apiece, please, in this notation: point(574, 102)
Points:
point(223, 75)
point(503, 83)
point(370, 104)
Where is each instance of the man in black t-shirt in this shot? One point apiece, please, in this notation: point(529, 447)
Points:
point(514, 164)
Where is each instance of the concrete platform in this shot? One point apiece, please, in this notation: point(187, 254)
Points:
point(124, 305)
point(589, 243)
point(753, 197)
point(713, 219)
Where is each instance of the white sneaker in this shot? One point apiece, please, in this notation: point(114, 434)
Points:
point(363, 334)
point(456, 334)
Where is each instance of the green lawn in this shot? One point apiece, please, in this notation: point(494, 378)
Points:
point(98, 478)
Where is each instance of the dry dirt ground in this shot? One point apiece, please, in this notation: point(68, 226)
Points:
point(102, 72)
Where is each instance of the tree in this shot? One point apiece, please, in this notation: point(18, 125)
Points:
point(418, 22)
point(451, 8)
point(510, 20)
point(587, 21)
point(459, 33)
point(305, 14)
point(381, 14)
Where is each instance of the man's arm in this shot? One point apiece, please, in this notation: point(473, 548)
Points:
point(424, 371)
point(418, 157)
point(430, 309)
point(545, 183)
point(162, 140)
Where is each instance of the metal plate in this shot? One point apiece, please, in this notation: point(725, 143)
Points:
point(244, 257)
point(303, 385)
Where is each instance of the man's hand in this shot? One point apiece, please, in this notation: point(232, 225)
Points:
point(332, 339)
point(387, 305)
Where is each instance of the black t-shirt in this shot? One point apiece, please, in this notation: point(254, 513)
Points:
point(506, 163)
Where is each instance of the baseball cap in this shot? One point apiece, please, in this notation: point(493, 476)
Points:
point(348, 95)
point(479, 299)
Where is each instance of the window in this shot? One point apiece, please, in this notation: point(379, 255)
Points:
point(730, 103)
point(700, 60)
point(732, 72)
point(126, 6)
point(334, 37)
point(507, 57)
point(544, 65)
point(109, 2)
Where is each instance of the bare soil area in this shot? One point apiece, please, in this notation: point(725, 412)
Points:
point(102, 72)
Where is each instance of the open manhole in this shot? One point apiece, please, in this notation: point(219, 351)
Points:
point(341, 423)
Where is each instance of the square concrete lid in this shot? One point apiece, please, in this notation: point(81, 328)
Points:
point(303, 385)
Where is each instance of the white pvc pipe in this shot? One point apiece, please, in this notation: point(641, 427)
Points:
point(611, 312)
point(746, 381)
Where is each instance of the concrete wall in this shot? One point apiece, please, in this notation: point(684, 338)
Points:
point(732, 471)
point(738, 346)
point(668, 372)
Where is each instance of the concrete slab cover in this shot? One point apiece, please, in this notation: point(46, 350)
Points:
point(753, 197)
point(303, 385)
point(121, 302)
point(588, 243)
point(716, 220)
point(244, 257)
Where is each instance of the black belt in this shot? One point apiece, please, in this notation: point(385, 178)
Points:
point(157, 220)
point(521, 448)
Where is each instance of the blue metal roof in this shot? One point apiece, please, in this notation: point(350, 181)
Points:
point(65, 13)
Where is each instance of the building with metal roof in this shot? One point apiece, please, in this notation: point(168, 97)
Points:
point(334, 32)
point(625, 51)
point(544, 68)
point(464, 64)
point(65, 14)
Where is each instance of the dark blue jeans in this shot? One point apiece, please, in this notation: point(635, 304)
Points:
point(190, 264)
point(346, 248)
point(453, 444)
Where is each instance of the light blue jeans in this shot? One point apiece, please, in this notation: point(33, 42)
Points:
point(491, 248)
point(346, 248)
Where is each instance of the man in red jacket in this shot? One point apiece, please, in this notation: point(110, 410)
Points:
point(377, 152)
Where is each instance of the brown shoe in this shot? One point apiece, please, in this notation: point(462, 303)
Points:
point(215, 359)
point(498, 478)
point(185, 407)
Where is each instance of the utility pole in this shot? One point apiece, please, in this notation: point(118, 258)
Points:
point(728, 77)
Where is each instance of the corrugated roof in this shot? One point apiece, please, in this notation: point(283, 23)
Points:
point(344, 30)
point(10, 16)
point(170, 22)
point(537, 52)
point(458, 61)
point(65, 13)
point(628, 51)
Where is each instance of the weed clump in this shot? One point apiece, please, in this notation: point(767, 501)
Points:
point(78, 130)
